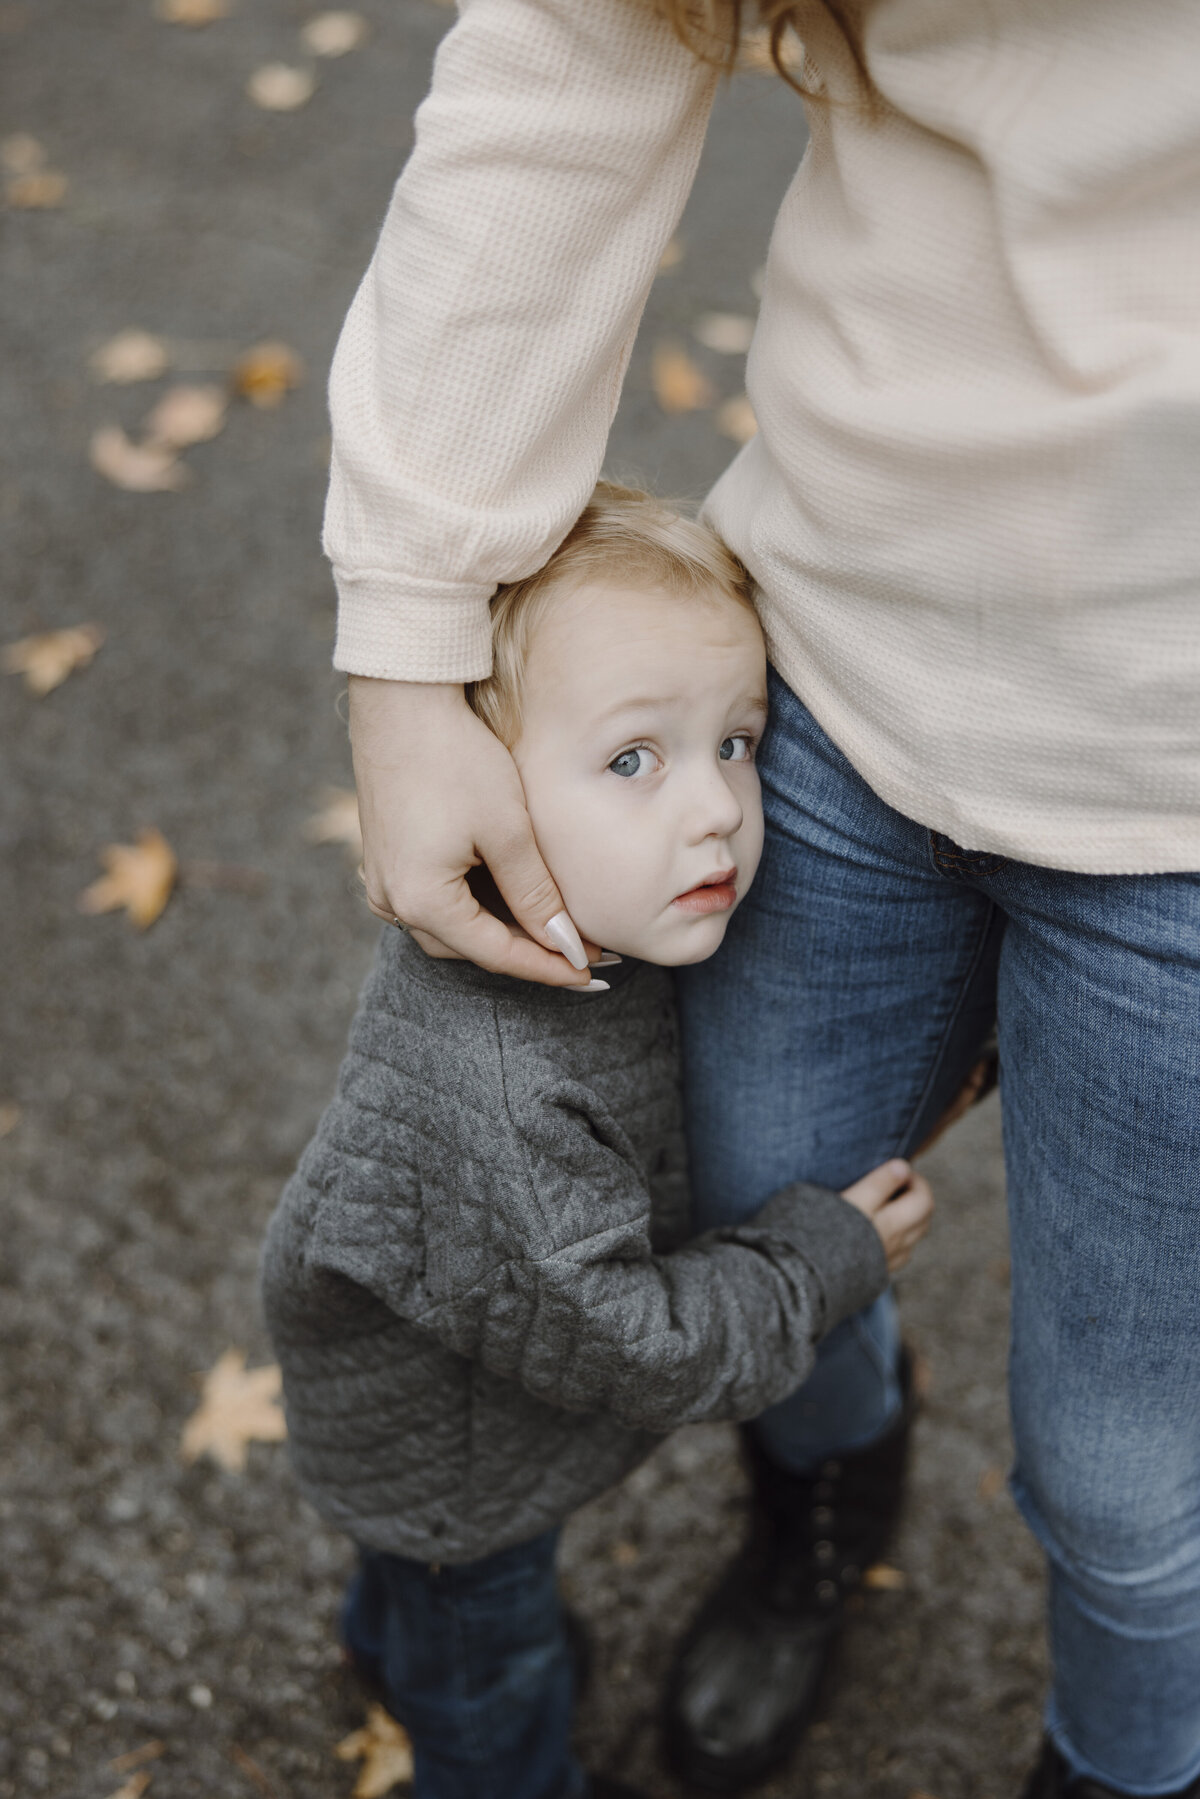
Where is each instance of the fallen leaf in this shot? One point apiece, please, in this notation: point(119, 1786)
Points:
point(672, 256)
point(139, 878)
point(729, 333)
point(251, 1769)
point(882, 1579)
point(337, 821)
point(625, 1554)
point(334, 33)
point(277, 87)
point(991, 1482)
point(193, 13)
point(135, 1786)
point(36, 192)
point(1001, 1271)
point(922, 1375)
point(187, 415)
point(10, 1117)
point(679, 386)
point(384, 1749)
point(736, 419)
point(918, 1793)
point(148, 1752)
point(129, 356)
point(266, 373)
point(237, 1406)
point(138, 468)
point(21, 154)
point(47, 659)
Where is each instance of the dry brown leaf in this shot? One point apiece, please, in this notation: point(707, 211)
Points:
point(36, 192)
point(133, 1758)
point(186, 415)
point(21, 154)
point(736, 419)
point(139, 878)
point(193, 13)
point(10, 1117)
point(337, 820)
point(679, 386)
point(625, 1554)
point(131, 355)
point(135, 1786)
point(138, 468)
point(266, 373)
point(47, 659)
point(672, 256)
point(882, 1579)
point(383, 1747)
point(918, 1793)
point(991, 1482)
point(251, 1769)
point(334, 33)
point(237, 1406)
point(729, 333)
point(278, 87)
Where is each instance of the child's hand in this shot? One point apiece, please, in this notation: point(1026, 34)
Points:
point(899, 1205)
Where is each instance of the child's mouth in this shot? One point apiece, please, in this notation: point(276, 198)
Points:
point(714, 896)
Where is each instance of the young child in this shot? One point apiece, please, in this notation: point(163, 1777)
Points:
point(479, 1281)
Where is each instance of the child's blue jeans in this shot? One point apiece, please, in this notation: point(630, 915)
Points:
point(473, 1661)
point(840, 1016)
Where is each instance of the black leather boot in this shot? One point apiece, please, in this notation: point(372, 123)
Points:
point(1050, 1780)
point(746, 1677)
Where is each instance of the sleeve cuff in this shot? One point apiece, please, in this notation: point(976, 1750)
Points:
point(839, 1243)
point(396, 628)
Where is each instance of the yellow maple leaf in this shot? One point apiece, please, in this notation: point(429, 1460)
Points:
point(48, 658)
point(139, 877)
point(679, 386)
point(672, 256)
point(736, 419)
point(384, 1749)
point(193, 13)
point(21, 154)
point(337, 820)
point(137, 468)
point(131, 355)
point(882, 1579)
point(237, 1406)
point(266, 373)
point(37, 191)
point(729, 333)
point(10, 1117)
point(279, 87)
point(334, 33)
point(187, 414)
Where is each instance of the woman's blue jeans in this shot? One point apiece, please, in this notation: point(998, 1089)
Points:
point(853, 990)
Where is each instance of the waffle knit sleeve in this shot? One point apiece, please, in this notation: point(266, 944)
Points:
point(481, 361)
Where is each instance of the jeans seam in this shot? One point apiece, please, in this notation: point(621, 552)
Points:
point(952, 1018)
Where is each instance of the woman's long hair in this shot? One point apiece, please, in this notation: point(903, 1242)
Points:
point(713, 29)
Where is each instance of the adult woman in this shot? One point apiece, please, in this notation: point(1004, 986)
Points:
point(970, 512)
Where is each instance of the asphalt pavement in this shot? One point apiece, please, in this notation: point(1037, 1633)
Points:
point(156, 1087)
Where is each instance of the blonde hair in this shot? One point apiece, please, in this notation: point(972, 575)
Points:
point(713, 30)
point(624, 537)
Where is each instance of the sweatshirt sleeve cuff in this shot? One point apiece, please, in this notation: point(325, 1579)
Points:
point(396, 628)
point(839, 1243)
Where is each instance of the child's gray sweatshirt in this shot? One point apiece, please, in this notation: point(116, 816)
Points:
point(479, 1280)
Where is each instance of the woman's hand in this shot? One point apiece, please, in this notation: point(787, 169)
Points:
point(899, 1205)
point(438, 794)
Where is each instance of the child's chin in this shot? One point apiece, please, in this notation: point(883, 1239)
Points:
point(695, 943)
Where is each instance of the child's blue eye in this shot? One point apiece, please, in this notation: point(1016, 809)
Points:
point(736, 749)
point(630, 763)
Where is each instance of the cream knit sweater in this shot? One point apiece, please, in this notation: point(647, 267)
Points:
point(972, 507)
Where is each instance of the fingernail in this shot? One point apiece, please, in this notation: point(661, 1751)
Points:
point(592, 987)
point(607, 959)
point(565, 937)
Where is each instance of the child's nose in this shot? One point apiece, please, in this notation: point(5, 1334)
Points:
point(716, 809)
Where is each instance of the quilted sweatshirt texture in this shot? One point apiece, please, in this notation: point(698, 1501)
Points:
point(479, 1283)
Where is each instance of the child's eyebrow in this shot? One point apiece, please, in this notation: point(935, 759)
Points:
point(753, 701)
